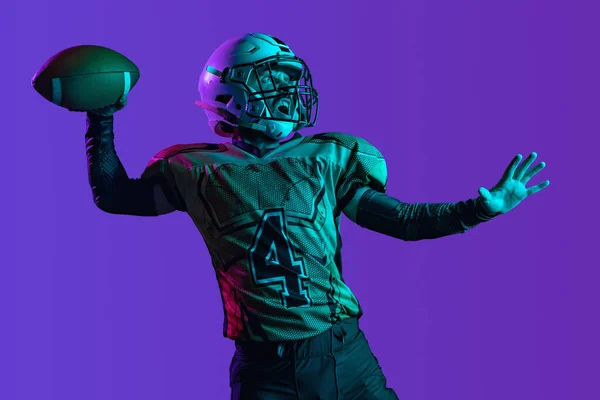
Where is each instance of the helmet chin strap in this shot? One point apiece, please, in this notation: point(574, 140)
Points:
point(229, 117)
point(233, 119)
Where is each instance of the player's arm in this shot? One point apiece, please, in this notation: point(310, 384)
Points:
point(381, 213)
point(361, 193)
point(114, 192)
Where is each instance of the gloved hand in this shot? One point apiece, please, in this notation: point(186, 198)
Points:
point(107, 111)
point(110, 110)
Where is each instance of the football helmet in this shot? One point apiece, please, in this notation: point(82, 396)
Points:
point(255, 81)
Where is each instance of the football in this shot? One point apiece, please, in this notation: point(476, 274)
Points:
point(87, 77)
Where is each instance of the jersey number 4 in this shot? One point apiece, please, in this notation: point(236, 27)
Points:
point(272, 261)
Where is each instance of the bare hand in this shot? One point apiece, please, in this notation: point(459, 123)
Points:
point(511, 190)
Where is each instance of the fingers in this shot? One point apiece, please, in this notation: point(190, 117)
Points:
point(121, 103)
point(510, 170)
point(110, 110)
point(524, 166)
point(532, 172)
point(537, 188)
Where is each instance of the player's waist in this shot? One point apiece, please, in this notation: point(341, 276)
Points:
point(325, 342)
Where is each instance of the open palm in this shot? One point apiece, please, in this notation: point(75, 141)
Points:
point(511, 189)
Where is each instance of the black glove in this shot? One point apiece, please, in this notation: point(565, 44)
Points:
point(107, 111)
point(110, 110)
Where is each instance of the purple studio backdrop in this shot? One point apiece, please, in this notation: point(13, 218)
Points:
point(97, 306)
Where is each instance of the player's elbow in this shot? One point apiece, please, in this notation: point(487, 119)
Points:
point(122, 204)
point(108, 201)
point(104, 204)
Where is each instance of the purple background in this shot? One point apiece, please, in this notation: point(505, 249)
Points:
point(96, 306)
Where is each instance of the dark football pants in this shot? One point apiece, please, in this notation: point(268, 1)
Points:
point(335, 365)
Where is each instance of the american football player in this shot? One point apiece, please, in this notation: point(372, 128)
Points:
point(268, 204)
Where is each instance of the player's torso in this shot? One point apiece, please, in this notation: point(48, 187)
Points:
point(271, 227)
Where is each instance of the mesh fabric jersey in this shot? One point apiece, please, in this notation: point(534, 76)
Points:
point(271, 225)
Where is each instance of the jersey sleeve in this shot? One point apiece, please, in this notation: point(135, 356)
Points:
point(160, 170)
point(361, 165)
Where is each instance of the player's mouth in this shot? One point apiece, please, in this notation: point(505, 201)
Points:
point(284, 106)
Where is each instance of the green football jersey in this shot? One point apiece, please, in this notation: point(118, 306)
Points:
point(272, 227)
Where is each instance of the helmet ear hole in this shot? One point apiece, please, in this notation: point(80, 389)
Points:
point(223, 98)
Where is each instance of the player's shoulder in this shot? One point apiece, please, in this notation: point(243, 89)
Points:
point(176, 149)
point(350, 142)
point(162, 157)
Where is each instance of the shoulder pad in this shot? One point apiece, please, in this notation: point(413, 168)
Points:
point(328, 137)
point(186, 148)
point(354, 143)
point(189, 148)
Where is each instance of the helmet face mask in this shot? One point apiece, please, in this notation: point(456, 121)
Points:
point(256, 82)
